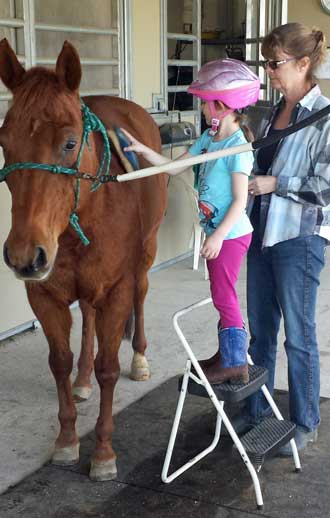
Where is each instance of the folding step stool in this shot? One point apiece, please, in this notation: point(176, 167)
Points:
point(260, 442)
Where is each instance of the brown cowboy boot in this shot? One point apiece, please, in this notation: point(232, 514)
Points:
point(213, 359)
point(233, 364)
point(210, 361)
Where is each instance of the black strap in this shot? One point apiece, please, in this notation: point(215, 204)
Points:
point(271, 139)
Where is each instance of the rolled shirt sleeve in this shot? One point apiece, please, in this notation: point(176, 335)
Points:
point(313, 188)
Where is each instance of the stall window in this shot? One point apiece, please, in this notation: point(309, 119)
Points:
point(36, 29)
point(182, 59)
point(261, 17)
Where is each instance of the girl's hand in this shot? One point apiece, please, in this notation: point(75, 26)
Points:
point(135, 145)
point(149, 154)
point(211, 247)
point(262, 185)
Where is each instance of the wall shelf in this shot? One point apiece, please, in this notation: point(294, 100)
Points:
point(227, 41)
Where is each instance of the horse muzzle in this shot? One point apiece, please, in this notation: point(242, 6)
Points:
point(36, 268)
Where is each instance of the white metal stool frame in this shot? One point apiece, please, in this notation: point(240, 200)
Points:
point(221, 415)
point(197, 236)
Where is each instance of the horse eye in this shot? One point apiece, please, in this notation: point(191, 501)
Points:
point(70, 145)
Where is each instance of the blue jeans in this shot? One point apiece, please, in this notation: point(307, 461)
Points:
point(283, 280)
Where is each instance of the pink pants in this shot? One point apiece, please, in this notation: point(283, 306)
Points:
point(224, 272)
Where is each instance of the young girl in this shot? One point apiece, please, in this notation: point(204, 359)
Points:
point(224, 86)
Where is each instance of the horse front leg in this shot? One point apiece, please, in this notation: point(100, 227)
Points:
point(56, 322)
point(140, 368)
point(82, 386)
point(110, 326)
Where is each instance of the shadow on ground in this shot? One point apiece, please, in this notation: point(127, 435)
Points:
point(218, 487)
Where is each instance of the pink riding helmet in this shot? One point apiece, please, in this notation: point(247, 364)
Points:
point(229, 81)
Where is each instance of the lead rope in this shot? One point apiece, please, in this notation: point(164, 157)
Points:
point(90, 123)
point(74, 219)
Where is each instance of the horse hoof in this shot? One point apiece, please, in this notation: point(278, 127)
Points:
point(103, 470)
point(81, 394)
point(66, 456)
point(139, 368)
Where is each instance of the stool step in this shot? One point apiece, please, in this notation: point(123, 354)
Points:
point(265, 439)
point(230, 392)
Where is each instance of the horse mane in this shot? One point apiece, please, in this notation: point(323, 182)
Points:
point(42, 95)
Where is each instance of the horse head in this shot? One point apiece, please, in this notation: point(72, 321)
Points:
point(43, 126)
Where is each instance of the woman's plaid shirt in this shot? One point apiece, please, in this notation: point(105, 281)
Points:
point(300, 205)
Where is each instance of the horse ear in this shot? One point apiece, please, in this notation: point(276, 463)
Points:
point(11, 71)
point(68, 67)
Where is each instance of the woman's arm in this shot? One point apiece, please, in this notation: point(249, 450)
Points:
point(314, 187)
point(212, 244)
point(314, 190)
point(152, 156)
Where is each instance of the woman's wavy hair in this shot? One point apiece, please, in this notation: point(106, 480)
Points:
point(297, 40)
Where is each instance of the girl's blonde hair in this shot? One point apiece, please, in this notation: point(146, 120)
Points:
point(242, 120)
point(297, 40)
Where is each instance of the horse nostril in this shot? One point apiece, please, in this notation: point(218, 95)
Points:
point(40, 258)
point(28, 268)
point(5, 255)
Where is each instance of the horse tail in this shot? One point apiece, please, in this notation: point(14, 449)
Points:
point(129, 326)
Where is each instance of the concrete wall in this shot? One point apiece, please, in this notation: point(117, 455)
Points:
point(311, 13)
point(175, 232)
point(174, 238)
point(146, 50)
point(15, 309)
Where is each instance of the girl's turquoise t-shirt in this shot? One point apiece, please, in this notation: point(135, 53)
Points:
point(215, 183)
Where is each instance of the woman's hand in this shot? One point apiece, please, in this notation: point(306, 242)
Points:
point(262, 185)
point(211, 247)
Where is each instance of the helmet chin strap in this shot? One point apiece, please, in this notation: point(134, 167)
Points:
point(216, 118)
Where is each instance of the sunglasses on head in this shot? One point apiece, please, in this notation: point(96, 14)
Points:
point(273, 64)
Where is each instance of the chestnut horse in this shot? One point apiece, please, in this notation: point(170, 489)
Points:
point(44, 125)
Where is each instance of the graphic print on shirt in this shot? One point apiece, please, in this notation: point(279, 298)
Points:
point(207, 211)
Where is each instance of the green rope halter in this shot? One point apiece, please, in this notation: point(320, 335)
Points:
point(90, 123)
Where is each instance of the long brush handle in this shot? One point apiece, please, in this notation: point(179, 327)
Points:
point(251, 146)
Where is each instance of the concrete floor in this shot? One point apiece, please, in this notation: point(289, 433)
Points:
point(217, 487)
point(28, 402)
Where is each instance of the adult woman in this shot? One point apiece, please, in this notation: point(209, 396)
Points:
point(291, 220)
